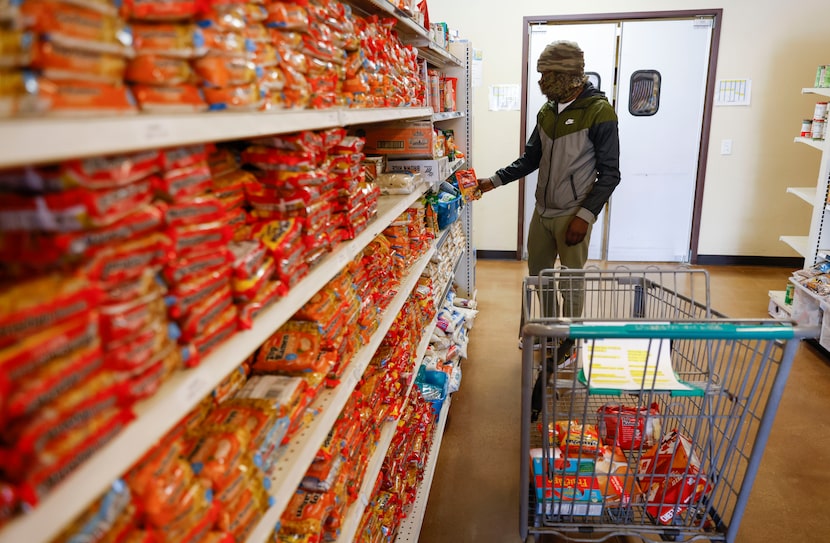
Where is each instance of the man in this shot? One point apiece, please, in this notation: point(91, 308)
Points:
point(575, 146)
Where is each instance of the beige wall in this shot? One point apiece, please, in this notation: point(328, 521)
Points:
point(745, 206)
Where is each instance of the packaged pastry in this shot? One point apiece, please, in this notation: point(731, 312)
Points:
point(78, 25)
point(234, 97)
point(73, 209)
point(174, 39)
point(28, 307)
point(200, 238)
point(28, 93)
point(186, 182)
point(182, 268)
point(183, 297)
point(159, 10)
point(294, 347)
point(184, 98)
point(223, 71)
point(59, 63)
point(198, 209)
point(115, 264)
point(151, 69)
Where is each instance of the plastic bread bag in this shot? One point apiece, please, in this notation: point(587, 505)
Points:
point(183, 98)
point(246, 97)
point(27, 93)
point(34, 305)
point(178, 39)
point(151, 69)
point(159, 10)
point(78, 25)
point(225, 71)
point(57, 62)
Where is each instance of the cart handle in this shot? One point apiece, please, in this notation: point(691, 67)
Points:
point(684, 330)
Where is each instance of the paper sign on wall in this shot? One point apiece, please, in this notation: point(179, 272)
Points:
point(505, 98)
point(733, 92)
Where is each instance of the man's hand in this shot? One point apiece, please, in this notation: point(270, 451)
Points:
point(577, 229)
point(484, 185)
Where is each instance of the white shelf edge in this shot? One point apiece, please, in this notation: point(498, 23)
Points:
point(182, 392)
point(824, 91)
point(799, 243)
point(447, 115)
point(354, 514)
point(817, 144)
point(808, 194)
point(294, 462)
point(50, 139)
point(410, 528)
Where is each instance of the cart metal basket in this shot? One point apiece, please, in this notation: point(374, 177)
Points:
point(644, 412)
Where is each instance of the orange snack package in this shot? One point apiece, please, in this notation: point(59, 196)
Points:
point(224, 71)
point(44, 95)
point(159, 10)
point(176, 39)
point(57, 62)
point(77, 26)
point(234, 97)
point(183, 98)
point(294, 347)
point(218, 453)
point(149, 69)
point(28, 307)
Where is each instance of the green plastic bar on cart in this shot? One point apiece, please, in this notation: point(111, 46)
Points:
point(684, 330)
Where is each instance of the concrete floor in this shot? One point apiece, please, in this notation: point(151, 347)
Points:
point(475, 494)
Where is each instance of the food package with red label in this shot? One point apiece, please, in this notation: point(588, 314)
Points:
point(218, 453)
point(144, 381)
point(79, 25)
point(173, 158)
point(195, 210)
point(116, 264)
point(282, 238)
point(267, 428)
point(138, 350)
point(49, 467)
point(223, 327)
point(287, 16)
point(240, 516)
point(246, 289)
point(125, 320)
point(629, 427)
point(270, 158)
point(245, 97)
point(159, 10)
point(150, 69)
point(294, 348)
point(104, 172)
point(671, 478)
point(59, 63)
point(175, 39)
point(185, 182)
point(224, 71)
point(204, 314)
point(182, 268)
point(183, 98)
point(200, 238)
point(30, 306)
point(306, 512)
point(50, 381)
point(230, 385)
point(270, 293)
point(30, 93)
point(183, 297)
point(73, 209)
point(25, 437)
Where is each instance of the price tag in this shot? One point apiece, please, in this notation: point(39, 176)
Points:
point(156, 131)
point(193, 390)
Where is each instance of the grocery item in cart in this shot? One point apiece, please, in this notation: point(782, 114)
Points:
point(629, 427)
point(670, 475)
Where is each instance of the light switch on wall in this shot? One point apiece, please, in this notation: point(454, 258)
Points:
point(726, 147)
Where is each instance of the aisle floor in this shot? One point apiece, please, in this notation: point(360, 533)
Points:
point(475, 493)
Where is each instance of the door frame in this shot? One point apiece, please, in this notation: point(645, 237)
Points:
point(716, 15)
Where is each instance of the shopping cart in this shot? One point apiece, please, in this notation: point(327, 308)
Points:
point(652, 410)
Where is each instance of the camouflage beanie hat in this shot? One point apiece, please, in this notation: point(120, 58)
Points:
point(563, 57)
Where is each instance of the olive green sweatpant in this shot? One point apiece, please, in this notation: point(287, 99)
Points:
point(546, 242)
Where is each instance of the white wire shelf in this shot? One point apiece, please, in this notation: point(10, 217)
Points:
point(294, 462)
point(183, 391)
point(43, 140)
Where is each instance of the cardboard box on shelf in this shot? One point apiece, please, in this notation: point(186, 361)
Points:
point(401, 139)
point(434, 171)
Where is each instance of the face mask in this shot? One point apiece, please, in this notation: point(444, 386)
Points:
point(558, 87)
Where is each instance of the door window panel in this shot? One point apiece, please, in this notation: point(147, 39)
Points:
point(644, 98)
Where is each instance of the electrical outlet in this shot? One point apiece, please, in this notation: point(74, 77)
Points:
point(726, 147)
